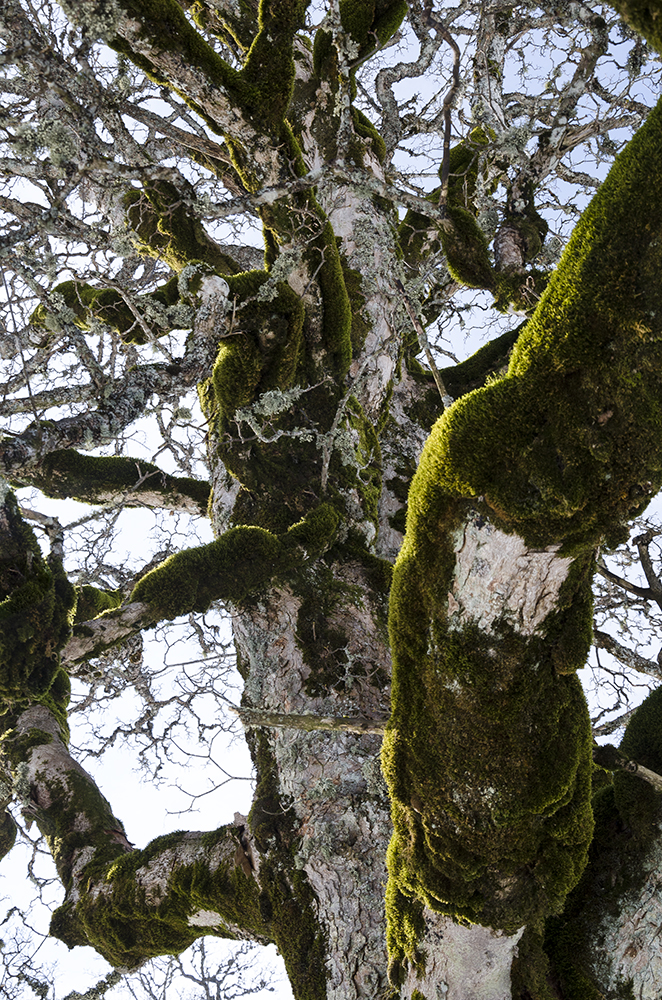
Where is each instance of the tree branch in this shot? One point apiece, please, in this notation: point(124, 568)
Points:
point(627, 656)
point(255, 717)
point(645, 592)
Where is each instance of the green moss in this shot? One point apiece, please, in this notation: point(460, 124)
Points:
point(487, 758)
point(366, 130)
point(92, 602)
point(488, 754)
point(643, 16)
point(166, 228)
point(460, 236)
point(287, 901)
point(35, 613)
point(465, 246)
point(262, 354)
point(239, 25)
point(337, 316)
point(88, 303)
point(269, 67)
point(14, 749)
point(241, 562)
point(576, 983)
point(8, 830)
point(519, 291)
point(95, 479)
point(638, 802)
point(126, 928)
point(489, 360)
point(371, 22)
point(531, 974)
point(579, 411)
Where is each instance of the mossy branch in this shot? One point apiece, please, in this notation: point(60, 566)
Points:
point(130, 905)
point(131, 482)
point(608, 757)
point(239, 564)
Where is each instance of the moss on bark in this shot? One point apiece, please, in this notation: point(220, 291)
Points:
point(37, 604)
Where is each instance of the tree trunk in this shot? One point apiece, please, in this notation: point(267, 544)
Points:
point(442, 877)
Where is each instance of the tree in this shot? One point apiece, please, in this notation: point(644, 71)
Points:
point(133, 131)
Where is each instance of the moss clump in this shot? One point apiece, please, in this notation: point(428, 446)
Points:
point(461, 238)
point(95, 479)
point(487, 758)
point(337, 315)
point(229, 26)
point(8, 830)
point(488, 361)
point(92, 602)
point(371, 22)
point(263, 353)
point(88, 303)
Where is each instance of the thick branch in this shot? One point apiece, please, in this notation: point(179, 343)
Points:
point(129, 482)
point(129, 905)
point(644, 592)
point(241, 562)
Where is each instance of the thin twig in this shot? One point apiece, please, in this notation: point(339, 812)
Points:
point(423, 341)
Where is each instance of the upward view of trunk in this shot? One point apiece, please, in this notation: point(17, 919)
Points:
point(407, 553)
